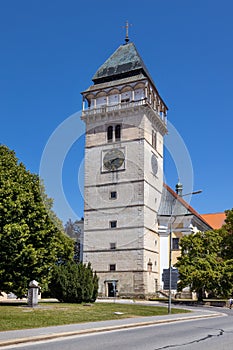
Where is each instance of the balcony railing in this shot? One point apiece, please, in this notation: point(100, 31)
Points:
point(121, 106)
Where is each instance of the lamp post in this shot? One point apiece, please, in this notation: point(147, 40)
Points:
point(170, 249)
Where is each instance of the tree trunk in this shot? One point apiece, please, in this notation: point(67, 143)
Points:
point(200, 294)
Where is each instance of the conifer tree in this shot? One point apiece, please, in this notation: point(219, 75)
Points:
point(74, 283)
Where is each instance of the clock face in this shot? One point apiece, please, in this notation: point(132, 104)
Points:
point(113, 159)
point(154, 164)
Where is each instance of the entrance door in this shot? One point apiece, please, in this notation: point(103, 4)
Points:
point(111, 290)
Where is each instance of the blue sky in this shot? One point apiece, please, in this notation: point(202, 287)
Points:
point(51, 49)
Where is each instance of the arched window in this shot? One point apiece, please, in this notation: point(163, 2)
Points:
point(118, 132)
point(110, 133)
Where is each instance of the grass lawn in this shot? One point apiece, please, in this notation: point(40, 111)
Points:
point(20, 316)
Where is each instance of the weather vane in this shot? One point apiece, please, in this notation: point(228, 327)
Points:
point(127, 25)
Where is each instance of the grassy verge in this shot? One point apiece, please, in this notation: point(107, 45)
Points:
point(20, 316)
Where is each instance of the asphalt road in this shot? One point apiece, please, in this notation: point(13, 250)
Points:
point(214, 333)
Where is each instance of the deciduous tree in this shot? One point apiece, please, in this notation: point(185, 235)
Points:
point(206, 261)
point(31, 236)
point(200, 264)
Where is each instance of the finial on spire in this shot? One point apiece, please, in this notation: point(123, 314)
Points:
point(127, 31)
point(179, 188)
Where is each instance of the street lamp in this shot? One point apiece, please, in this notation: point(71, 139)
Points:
point(170, 248)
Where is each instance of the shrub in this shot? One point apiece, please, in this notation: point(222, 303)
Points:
point(74, 283)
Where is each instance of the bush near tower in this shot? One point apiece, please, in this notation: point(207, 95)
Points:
point(74, 283)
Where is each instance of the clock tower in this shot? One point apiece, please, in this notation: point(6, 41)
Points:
point(125, 119)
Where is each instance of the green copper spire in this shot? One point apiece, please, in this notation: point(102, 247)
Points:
point(124, 62)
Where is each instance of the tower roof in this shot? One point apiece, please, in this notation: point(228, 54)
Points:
point(124, 62)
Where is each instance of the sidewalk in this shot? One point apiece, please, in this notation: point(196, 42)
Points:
point(37, 334)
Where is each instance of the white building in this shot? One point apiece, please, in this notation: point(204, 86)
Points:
point(176, 218)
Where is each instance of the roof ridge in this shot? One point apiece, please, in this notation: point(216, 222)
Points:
point(218, 212)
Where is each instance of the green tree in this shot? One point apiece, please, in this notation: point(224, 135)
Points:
point(206, 261)
point(95, 286)
point(201, 266)
point(227, 233)
point(74, 283)
point(31, 236)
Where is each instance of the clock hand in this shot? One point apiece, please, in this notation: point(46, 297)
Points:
point(113, 160)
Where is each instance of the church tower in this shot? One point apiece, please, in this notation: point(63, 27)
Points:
point(125, 121)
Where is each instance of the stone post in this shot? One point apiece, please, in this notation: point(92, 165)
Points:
point(33, 292)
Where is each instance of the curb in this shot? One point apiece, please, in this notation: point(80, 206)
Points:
point(102, 329)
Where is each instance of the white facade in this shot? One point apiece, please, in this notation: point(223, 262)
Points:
point(176, 218)
point(122, 195)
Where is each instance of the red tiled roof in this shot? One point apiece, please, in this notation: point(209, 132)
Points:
point(216, 220)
